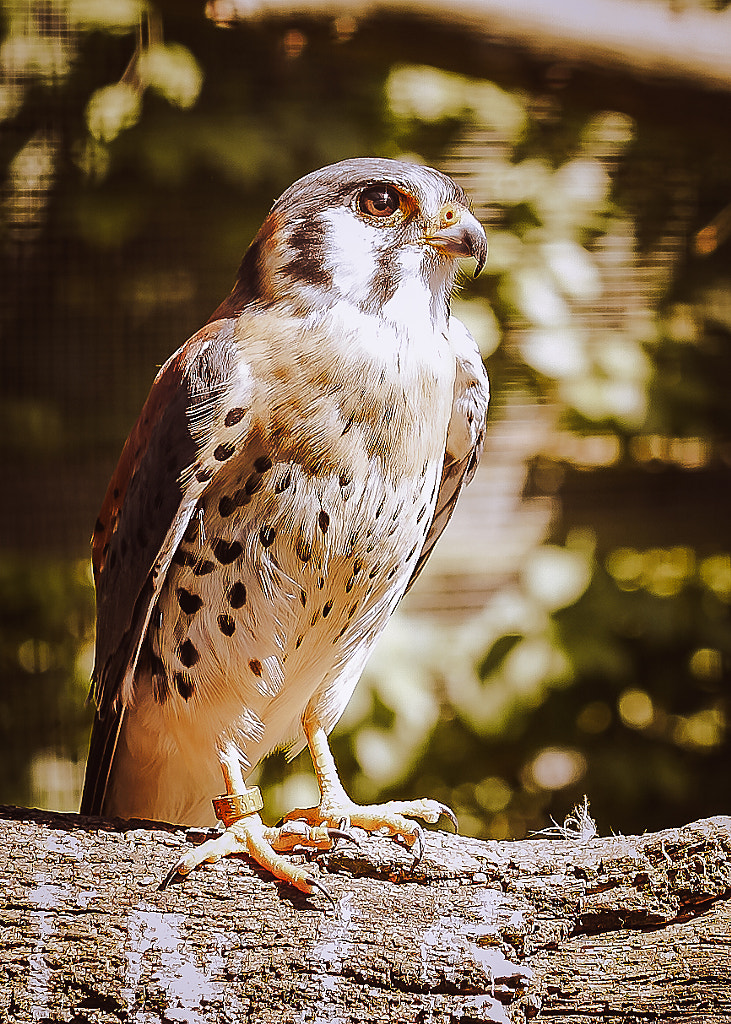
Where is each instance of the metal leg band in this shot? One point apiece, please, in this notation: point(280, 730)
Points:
point(233, 806)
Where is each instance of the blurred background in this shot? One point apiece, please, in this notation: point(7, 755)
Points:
point(571, 634)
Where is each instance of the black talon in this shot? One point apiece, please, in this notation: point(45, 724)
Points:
point(318, 885)
point(339, 833)
point(449, 813)
point(170, 877)
point(418, 849)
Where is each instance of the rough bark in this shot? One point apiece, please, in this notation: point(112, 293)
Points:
point(617, 929)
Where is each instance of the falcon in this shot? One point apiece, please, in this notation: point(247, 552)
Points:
point(291, 470)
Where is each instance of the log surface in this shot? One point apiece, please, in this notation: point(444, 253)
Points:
point(615, 929)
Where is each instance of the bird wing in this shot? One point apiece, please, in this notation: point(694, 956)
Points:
point(465, 434)
point(164, 468)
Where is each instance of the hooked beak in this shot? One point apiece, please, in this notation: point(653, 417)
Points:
point(458, 233)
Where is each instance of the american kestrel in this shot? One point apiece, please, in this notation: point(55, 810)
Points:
point(292, 468)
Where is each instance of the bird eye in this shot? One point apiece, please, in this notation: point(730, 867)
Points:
point(379, 201)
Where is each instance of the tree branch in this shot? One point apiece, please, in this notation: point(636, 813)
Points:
point(655, 39)
point(623, 928)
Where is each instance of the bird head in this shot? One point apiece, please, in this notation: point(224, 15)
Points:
point(357, 231)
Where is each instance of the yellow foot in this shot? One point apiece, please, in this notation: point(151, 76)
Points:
point(391, 818)
point(249, 835)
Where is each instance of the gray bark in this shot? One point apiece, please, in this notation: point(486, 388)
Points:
point(616, 929)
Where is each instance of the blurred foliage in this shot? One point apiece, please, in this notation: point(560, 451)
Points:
point(45, 660)
point(137, 163)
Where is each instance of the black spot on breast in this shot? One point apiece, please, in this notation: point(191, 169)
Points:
point(303, 549)
point(346, 485)
point(227, 552)
point(303, 598)
point(226, 506)
point(267, 535)
point(422, 513)
point(412, 552)
point(383, 283)
point(315, 617)
point(298, 641)
point(379, 510)
point(253, 484)
point(262, 464)
point(320, 583)
point(374, 572)
point(352, 610)
point(181, 557)
point(350, 584)
point(323, 521)
point(234, 416)
point(115, 492)
point(226, 624)
point(204, 474)
point(184, 685)
point(191, 531)
point(357, 566)
point(283, 484)
point(241, 498)
point(203, 568)
point(326, 609)
point(160, 688)
point(256, 666)
point(237, 595)
point(223, 452)
point(189, 603)
point(188, 653)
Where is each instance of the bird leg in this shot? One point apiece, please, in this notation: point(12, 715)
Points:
point(336, 809)
point(246, 833)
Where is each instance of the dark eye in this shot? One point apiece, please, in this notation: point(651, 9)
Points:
point(379, 201)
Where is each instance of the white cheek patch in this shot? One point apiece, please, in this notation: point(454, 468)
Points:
point(352, 247)
point(417, 300)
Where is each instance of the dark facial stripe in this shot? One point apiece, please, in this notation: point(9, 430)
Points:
point(308, 263)
point(383, 283)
